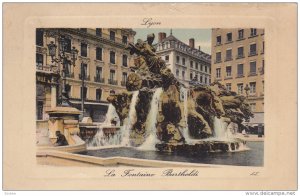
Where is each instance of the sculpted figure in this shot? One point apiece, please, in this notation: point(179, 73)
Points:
point(148, 59)
point(121, 102)
point(197, 110)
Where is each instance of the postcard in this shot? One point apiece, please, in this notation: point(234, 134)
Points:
point(114, 96)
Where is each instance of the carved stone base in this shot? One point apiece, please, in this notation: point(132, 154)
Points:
point(202, 146)
point(65, 120)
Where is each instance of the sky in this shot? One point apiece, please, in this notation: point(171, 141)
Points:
point(202, 36)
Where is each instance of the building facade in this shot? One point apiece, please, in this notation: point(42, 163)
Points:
point(185, 61)
point(103, 64)
point(238, 63)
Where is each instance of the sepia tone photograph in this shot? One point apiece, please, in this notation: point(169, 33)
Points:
point(149, 96)
point(172, 96)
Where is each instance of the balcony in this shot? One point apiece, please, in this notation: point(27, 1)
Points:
point(95, 100)
point(240, 76)
point(240, 38)
point(252, 95)
point(253, 35)
point(113, 39)
point(218, 43)
point(70, 75)
point(252, 53)
point(228, 77)
point(252, 74)
point(218, 78)
point(112, 64)
point(40, 66)
point(228, 58)
point(123, 83)
point(218, 61)
point(228, 42)
point(74, 98)
point(107, 37)
point(98, 79)
point(261, 70)
point(112, 81)
point(87, 77)
point(240, 56)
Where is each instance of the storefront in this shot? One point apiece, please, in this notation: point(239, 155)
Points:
point(256, 124)
point(96, 110)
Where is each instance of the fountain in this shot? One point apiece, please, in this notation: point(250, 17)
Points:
point(151, 121)
point(157, 112)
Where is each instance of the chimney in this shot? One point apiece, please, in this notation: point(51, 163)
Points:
point(192, 43)
point(199, 47)
point(160, 36)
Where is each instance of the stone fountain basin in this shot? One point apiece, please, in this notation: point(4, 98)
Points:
point(203, 146)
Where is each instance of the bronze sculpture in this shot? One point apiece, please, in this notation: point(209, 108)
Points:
point(204, 103)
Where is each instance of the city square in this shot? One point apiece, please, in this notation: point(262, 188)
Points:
point(150, 94)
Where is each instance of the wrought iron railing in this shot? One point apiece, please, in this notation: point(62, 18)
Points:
point(252, 53)
point(98, 79)
point(113, 82)
point(239, 56)
point(123, 83)
point(86, 77)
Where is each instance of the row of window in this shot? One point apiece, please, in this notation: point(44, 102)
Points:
point(241, 35)
point(99, 52)
point(85, 90)
point(84, 95)
point(98, 93)
point(83, 49)
point(240, 88)
point(240, 70)
point(240, 53)
point(99, 76)
point(206, 68)
point(183, 47)
point(112, 36)
point(201, 79)
point(112, 59)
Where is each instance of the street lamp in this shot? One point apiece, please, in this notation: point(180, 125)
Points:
point(247, 89)
point(64, 60)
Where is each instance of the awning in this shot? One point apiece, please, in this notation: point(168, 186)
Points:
point(256, 120)
point(89, 103)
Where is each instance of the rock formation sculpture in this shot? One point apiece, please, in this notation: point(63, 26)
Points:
point(181, 110)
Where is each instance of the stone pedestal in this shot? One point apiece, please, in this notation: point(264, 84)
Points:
point(53, 96)
point(65, 120)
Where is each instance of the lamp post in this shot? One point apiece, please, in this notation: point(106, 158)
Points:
point(65, 61)
point(82, 89)
point(247, 89)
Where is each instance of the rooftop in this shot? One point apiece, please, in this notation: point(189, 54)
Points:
point(183, 47)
